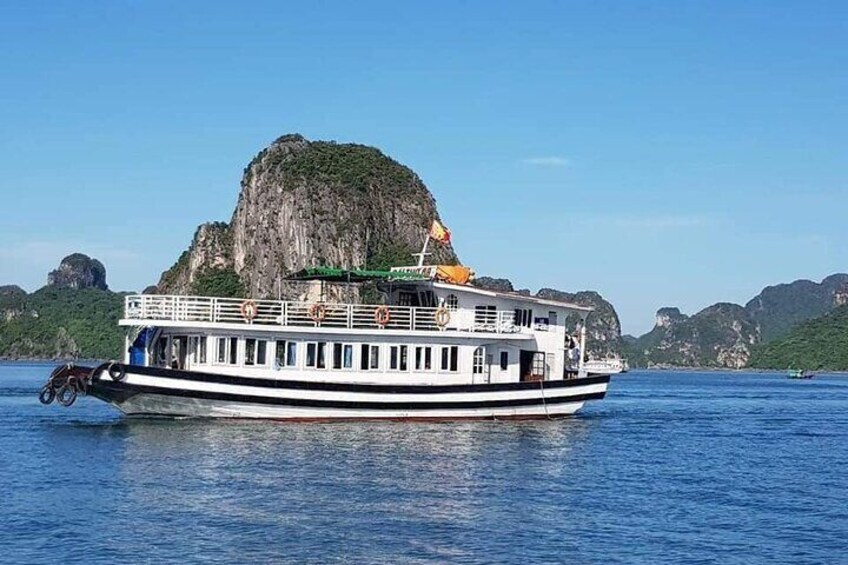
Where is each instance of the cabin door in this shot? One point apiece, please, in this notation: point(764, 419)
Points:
point(532, 365)
point(180, 352)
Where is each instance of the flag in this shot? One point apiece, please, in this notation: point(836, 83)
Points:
point(439, 232)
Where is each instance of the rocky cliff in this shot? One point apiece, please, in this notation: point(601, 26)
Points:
point(778, 309)
point(311, 203)
point(721, 335)
point(78, 271)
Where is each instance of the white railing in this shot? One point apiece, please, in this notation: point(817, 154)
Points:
point(149, 308)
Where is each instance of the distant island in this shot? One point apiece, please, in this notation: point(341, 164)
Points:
point(315, 203)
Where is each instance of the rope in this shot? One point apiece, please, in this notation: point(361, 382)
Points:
point(544, 402)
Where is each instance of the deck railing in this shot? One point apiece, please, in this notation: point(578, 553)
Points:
point(146, 308)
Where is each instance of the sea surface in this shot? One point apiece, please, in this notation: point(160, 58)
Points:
point(669, 468)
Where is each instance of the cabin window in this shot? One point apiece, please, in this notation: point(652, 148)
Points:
point(222, 350)
point(406, 298)
point(524, 317)
point(552, 318)
point(451, 302)
point(423, 358)
point(286, 354)
point(342, 356)
point(539, 364)
point(485, 315)
point(477, 361)
point(369, 357)
point(201, 350)
point(398, 360)
point(255, 351)
point(316, 355)
point(450, 356)
point(233, 351)
point(504, 360)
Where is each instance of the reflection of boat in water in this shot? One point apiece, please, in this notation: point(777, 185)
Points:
point(434, 348)
point(799, 374)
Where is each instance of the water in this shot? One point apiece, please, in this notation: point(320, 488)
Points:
point(670, 467)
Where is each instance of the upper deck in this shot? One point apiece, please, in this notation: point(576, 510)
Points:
point(199, 311)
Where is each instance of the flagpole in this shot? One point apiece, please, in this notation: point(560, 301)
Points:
point(423, 250)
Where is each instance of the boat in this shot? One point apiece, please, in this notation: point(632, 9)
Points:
point(433, 347)
point(609, 366)
point(799, 374)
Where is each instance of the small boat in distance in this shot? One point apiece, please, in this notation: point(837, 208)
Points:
point(799, 374)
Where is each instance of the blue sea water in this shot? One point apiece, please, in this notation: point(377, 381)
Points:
point(670, 467)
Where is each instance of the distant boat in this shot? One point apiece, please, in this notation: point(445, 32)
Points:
point(799, 374)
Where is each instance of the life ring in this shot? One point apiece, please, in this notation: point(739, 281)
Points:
point(46, 395)
point(382, 316)
point(317, 312)
point(67, 394)
point(116, 371)
point(248, 310)
point(442, 317)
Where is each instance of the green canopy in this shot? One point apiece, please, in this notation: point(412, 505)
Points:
point(334, 274)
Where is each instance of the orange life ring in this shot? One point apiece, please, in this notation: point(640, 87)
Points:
point(442, 316)
point(317, 312)
point(382, 315)
point(248, 310)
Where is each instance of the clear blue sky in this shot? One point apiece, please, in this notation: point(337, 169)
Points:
point(662, 153)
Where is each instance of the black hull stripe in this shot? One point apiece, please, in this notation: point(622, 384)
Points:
point(356, 387)
point(119, 392)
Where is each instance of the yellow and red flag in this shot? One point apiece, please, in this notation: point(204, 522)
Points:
point(439, 232)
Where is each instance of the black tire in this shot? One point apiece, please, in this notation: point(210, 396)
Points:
point(78, 384)
point(46, 395)
point(67, 395)
point(117, 372)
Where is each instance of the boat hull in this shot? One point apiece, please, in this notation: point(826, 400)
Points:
point(147, 391)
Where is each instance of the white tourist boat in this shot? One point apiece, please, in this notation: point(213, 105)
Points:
point(433, 349)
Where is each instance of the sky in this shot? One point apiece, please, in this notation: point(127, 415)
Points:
point(661, 153)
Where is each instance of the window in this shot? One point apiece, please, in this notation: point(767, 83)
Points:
point(233, 351)
point(523, 317)
point(201, 350)
point(197, 348)
point(286, 354)
point(342, 356)
point(406, 298)
point(255, 351)
point(485, 315)
point(477, 361)
point(504, 360)
point(398, 357)
point(539, 364)
point(316, 355)
point(552, 318)
point(369, 357)
point(451, 302)
point(423, 358)
point(222, 350)
point(450, 356)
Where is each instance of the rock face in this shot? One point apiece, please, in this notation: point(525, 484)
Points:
point(777, 309)
point(494, 284)
point(721, 335)
point(307, 204)
point(78, 271)
point(603, 328)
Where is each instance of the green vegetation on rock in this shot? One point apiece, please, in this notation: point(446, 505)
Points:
point(61, 323)
point(819, 344)
point(224, 283)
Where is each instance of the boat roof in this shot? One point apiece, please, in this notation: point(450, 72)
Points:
point(513, 296)
point(334, 274)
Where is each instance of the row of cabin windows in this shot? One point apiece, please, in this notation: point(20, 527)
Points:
point(318, 355)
